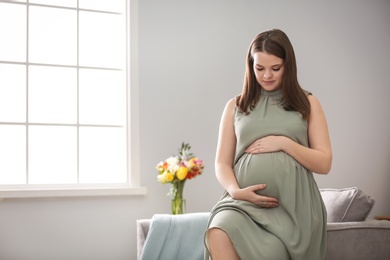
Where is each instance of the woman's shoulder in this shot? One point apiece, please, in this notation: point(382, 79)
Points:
point(313, 100)
point(307, 92)
point(232, 102)
point(231, 106)
point(311, 97)
point(230, 109)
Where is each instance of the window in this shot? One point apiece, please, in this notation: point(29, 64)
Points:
point(68, 100)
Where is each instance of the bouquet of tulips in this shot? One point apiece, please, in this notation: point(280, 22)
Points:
point(181, 167)
point(176, 170)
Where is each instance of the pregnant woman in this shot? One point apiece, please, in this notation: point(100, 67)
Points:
point(272, 138)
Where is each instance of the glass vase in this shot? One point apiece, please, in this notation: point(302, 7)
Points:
point(178, 203)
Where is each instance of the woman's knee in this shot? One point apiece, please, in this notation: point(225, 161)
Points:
point(220, 245)
point(217, 234)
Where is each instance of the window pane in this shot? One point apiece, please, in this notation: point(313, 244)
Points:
point(53, 35)
point(13, 32)
point(102, 155)
point(52, 95)
point(67, 3)
point(12, 154)
point(52, 154)
point(102, 40)
point(102, 97)
point(12, 93)
point(103, 5)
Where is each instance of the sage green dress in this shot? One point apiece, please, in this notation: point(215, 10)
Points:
point(297, 228)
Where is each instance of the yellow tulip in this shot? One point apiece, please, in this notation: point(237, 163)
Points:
point(169, 177)
point(165, 177)
point(182, 173)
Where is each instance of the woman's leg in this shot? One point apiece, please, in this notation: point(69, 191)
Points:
point(220, 245)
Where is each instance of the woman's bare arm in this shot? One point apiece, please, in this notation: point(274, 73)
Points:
point(226, 149)
point(225, 160)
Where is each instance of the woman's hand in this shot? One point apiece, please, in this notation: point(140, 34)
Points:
point(249, 194)
point(271, 143)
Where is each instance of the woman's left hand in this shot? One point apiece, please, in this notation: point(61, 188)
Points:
point(268, 144)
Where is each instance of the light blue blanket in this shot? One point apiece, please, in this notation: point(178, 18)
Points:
point(176, 237)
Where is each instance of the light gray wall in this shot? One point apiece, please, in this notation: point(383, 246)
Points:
point(192, 56)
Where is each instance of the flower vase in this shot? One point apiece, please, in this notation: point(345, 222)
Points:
point(178, 203)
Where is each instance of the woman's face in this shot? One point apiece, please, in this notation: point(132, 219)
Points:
point(268, 70)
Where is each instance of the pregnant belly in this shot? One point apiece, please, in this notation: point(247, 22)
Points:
point(273, 169)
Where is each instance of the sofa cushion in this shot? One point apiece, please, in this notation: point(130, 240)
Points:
point(348, 204)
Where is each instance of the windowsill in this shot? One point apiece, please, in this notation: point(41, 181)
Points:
point(39, 191)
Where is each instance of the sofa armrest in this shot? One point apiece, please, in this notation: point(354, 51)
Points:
point(142, 232)
point(358, 240)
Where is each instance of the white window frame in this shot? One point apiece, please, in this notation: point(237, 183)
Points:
point(132, 187)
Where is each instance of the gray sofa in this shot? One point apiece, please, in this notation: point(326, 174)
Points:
point(350, 235)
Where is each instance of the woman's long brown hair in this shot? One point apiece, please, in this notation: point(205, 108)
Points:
point(294, 98)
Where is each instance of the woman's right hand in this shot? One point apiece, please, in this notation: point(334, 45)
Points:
point(249, 194)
